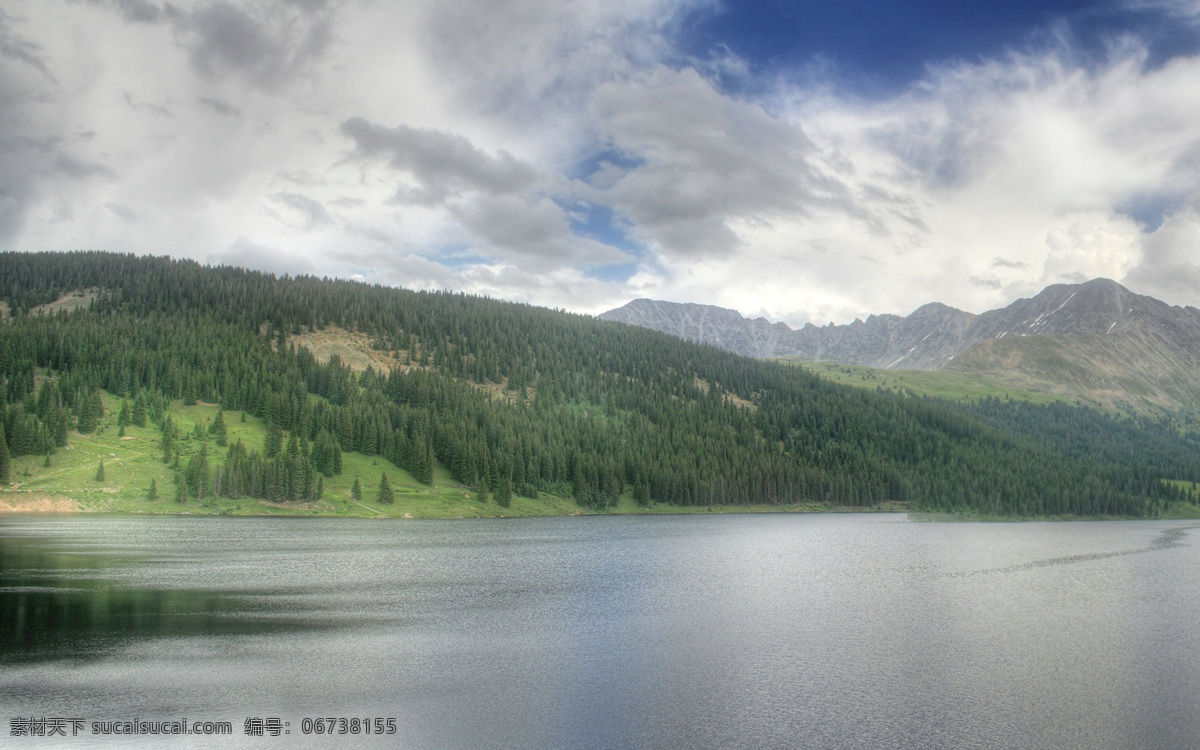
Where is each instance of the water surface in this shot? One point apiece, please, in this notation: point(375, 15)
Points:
point(821, 631)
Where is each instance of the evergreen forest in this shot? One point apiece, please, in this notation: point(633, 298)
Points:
point(513, 400)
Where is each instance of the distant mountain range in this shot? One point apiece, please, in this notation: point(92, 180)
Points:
point(1095, 340)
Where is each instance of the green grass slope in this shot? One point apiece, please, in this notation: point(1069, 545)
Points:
point(944, 384)
point(133, 461)
point(1132, 374)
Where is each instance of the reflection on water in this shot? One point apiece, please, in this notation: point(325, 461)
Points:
point(62, 604)
point(821, 631)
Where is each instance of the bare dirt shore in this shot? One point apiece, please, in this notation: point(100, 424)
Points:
point(37, 502)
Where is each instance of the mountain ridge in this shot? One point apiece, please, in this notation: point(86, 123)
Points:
point(1107, 343)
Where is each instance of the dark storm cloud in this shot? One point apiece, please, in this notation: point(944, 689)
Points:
point(443, 164)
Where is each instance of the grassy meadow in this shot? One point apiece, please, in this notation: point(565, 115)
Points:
point(944, 384)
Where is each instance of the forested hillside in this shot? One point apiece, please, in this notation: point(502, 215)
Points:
point(516, 399)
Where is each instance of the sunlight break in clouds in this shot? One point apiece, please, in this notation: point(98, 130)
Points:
point(581, 154)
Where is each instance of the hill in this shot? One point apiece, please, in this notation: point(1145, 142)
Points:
point(504, 403)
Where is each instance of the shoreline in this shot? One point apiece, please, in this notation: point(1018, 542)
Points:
point(40, 503)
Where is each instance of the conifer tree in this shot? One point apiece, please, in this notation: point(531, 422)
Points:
point(356, 491)
point(385, 490)
point(100, 472)
point(152, 495)
point(504, 491)
point(87, 417)
point(168, 439)
point(219, 430)
point(4, 458)
point(139, 410)
point(273, 443)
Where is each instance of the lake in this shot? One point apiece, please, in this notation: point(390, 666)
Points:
point(738, 631)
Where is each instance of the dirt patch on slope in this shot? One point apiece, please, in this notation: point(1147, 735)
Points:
point(353, 348)
point(78, 299)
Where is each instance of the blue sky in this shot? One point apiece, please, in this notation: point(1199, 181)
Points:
point(807, 161)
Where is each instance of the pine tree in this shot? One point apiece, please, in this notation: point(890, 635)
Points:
point(87, 417)
point(4, 458)
point(168, 439)
point(100, 472)
point(356, 491)
point(273, 443)
point(385, 491)
point(504, 489)
point(139, 410)
point(152, 495)
point(219, 430)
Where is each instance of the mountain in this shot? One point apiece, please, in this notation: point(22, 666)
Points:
point(923, 340)
point(1095, 340)
point(470, 402)
point(707, 324)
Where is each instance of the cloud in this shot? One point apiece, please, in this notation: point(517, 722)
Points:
point(1170, 264)
point(221, 108)
point(313, 212)
point(443, 165)
point(536, 232)
point(225, 40)
point(15, 47)
point(704, 161)
point(267, 47)
point(81, 169)
point(249, 254)
point(1003, 263)
point(538, 61)
point(135, 11)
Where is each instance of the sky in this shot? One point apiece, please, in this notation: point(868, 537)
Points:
point(809, 161)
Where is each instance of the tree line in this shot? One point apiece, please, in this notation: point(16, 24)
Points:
point(514, 399)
